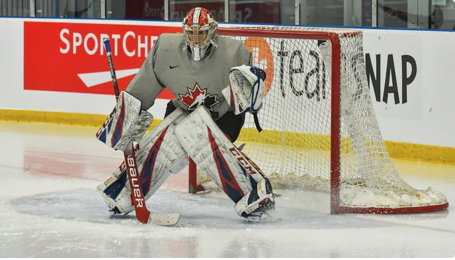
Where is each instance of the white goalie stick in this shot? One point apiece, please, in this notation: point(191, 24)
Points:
point(137, 195)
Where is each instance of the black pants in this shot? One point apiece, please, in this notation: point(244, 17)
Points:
point(229, 123)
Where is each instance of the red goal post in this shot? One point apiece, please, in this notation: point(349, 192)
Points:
point(344, 140)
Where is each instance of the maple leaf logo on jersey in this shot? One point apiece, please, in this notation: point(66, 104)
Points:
point(197, 96)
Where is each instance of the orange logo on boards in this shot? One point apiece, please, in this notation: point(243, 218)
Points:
point(262, 57)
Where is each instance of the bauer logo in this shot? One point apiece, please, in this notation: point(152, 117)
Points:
point(70, 57)
point(262, 57)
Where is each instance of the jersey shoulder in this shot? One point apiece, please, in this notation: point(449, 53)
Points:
point(230, 43)
point(170, 41)
point(171, 37)
point(235, 47)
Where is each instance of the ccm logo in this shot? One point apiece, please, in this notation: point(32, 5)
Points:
point(137, 194)
point(244, 162)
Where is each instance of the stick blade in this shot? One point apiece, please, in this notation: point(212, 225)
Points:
point(164, 219)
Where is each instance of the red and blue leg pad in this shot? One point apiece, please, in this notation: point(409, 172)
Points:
point(229, 183)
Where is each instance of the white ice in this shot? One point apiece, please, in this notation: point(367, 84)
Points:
point(49, 208)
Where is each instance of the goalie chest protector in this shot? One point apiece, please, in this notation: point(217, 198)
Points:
point(197, 83)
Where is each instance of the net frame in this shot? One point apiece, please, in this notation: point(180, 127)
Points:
point(332, 35)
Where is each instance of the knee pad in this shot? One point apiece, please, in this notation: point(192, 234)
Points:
point(216, 155)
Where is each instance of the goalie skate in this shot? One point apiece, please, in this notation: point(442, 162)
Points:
point(256, 205)
point(263, 214)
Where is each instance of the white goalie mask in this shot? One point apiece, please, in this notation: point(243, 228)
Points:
point(199, 29)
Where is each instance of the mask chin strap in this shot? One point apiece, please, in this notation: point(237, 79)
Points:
point(200, 53)
point(196, 53)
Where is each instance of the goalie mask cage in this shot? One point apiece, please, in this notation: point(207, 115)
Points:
point(320, 129)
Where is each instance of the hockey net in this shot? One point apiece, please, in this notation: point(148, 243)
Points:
point(320, 130)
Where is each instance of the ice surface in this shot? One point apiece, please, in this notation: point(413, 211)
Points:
point(50, 209)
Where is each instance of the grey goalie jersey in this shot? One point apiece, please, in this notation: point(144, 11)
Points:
point(194, 83)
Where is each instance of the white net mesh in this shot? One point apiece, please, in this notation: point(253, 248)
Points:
point(294, 147)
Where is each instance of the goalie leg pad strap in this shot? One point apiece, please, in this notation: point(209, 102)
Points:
point(159, 154)
point(216, 155)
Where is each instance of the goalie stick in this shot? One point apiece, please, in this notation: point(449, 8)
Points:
point(137, 195)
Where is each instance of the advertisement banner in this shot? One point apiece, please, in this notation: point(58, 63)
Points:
point(70, 57)
point(394, 71)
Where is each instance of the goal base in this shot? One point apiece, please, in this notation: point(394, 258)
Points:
point(404, 210)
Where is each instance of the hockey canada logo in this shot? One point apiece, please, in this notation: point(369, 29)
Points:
point(197, 96)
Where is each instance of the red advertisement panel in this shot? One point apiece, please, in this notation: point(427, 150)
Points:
point(70, 57)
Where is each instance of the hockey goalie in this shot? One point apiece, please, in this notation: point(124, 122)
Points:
point(214, 86)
